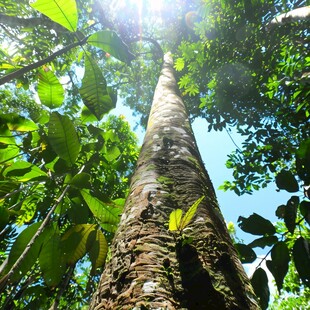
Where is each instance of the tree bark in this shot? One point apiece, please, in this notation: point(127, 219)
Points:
point(150, 267)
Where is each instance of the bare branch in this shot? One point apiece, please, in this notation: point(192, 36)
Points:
point(7, 78)
point(302, 13)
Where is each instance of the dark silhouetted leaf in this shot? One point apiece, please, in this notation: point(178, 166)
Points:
point(290, 213)
point(278, 266)
point(246, 254)
point(280, 212)
point(305, 210)
point(263, 241)
point(256, 225)
point(301, 255)
point(285, 180)
point(260, 285)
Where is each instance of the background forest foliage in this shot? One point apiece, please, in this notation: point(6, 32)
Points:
point(66, 164)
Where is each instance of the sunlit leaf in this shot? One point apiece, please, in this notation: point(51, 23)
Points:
point(63, 12)
point(94, 91)
point(63, 137)
point(24, 171)
point(50, 91)
point(16, 122)
point(109, 42)
point(190, 213)
point(98, 250)
point(175, 219)
point(81, 180)
point(74, 242)
point(107, 215)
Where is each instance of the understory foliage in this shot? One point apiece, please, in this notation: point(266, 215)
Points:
point(65, 164)
point(65, 168)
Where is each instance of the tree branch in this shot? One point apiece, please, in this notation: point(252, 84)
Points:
point(7, 78)
point(302, 13)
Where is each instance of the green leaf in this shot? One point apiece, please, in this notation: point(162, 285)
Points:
point(111, 152)
point(246, 254)
point(63, 12)
point(107, 215)
point(51, 260)
point(81, 180)
point(190, 213)
point(291, 213)
point(109, 42)
point(75, 242)
point(260, 285)
point(50, 91)
point(98, 250)
point(63, 137)
point(285, 180)
point(175, 219)
point(263, 242)
point(4, 217)
point(94, 91)
point(16, 122)
point(278, 266)
point(24, 171)
point(19, 246)
point(256, 225)
point(301, 255)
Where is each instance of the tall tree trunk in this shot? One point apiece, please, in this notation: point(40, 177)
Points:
point(150, 267)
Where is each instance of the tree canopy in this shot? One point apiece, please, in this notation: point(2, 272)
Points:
point(65, 165)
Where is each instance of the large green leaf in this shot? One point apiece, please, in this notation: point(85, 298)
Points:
point(259, 282)
point(51, 260)
point(77, 241)
point(50, 91)
point(94, 91)
point(301, 254)
point(19, 246)
point(98, 250)
point(63, 12)
point(107, 215)
point(24, 171)
point(63, 137)
point(278, 266)
point(110, 42)
point(16, 122)
point(256, 225)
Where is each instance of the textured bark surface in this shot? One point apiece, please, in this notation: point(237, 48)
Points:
point(150, 268)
